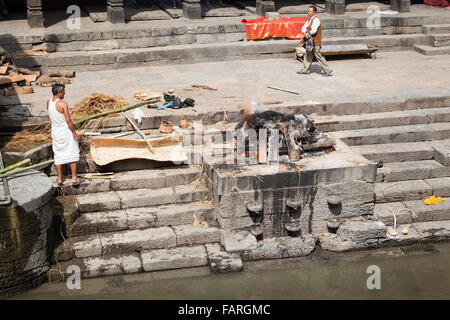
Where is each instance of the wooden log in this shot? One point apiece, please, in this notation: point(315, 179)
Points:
point(27, 71)
point(4, 69)
point(46, 81)
point(16, 91)
point(5, 81)
point(61, 73)
point(30, 78)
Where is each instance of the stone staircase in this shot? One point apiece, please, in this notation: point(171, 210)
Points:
point(142, 220)
point(414, 146)
point(439, 40)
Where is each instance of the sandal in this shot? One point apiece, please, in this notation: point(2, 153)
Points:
point(77, 184)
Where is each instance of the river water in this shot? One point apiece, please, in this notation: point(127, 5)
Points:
point(413, 272)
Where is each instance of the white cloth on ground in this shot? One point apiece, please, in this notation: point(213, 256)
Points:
point(65, 147)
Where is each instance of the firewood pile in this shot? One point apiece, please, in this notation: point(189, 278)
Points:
point(17, 81)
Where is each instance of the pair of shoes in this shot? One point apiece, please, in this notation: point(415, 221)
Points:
point(77, 184)
point(302, 72)
point(328, 74)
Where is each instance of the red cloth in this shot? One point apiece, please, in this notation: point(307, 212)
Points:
point(286, 27)
point(436, 3)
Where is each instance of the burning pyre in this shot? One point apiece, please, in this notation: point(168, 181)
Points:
point(269, 135)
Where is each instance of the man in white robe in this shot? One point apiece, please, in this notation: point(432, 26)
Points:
point(64, 137)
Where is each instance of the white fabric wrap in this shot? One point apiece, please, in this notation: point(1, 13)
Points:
point(65, 147)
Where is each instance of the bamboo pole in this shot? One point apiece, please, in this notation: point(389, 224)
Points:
point(281, 89)
point(18, 164)
point(20, 170)
point(102, 114)
point(140, 132)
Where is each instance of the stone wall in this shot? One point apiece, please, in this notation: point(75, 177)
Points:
point(26, 237)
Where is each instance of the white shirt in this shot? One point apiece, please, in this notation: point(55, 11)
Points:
point(315, 25)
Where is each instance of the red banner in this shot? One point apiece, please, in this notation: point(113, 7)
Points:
point(286, 27)
point(437, 3)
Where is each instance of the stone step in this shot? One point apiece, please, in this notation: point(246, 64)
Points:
point(153, 260)
point(116, 200)
point(131, 241)
point(411, 190)
point(140, 218)
point(419, 232)
point(407, 212)
point(382, 119)
point(396, 152)
point(430, 50)
point(441, 151)
point(137, 179)
point(441, 40)
point(409, 133)
point(109, 54)
point(436, 28)
point(411, 170)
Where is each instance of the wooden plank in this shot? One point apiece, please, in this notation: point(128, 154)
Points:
point(30, 78)
point(11, 79)
point(15, 91)
point(4, 69)
point(61, 73)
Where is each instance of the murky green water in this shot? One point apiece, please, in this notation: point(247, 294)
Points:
point(417, 272)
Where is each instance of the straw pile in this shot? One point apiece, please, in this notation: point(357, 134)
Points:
point(96, 103)
point(28, 139)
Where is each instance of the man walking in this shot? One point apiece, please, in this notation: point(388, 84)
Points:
point(64, 137)
point(313, 28)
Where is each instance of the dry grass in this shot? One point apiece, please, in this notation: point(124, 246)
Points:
point(28, 139)
point(96, 103)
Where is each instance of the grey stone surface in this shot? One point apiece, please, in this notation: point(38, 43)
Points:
point(236, 241)
point(361, 231)
point(30, 190)
point(137, 240)
point(411, 170)
point(433, 230)
point(440, 186)
point(146, 197)
point(111, 265)
point(98, 202)
point(402, 190)
point(141, 218)
point(441, 151)
point(437, 212)
point(221, 261)
point(385, 213)
point(331, 242)
point(109, 221)
point(393, 152)
point(86, 246)
point(167, 259)
point(194, 235)
point(182, 214)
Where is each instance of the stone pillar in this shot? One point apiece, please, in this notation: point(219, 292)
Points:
point(35, 15)
point(192, 9)
point(401, 5)
point(115, 11)
point(335, 7)
point(263, 6)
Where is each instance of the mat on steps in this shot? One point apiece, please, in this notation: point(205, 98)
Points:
point(105, 151)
